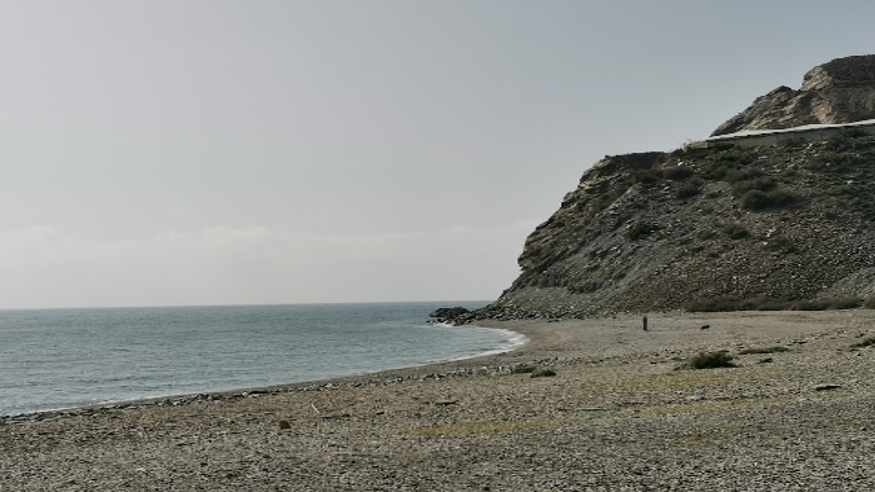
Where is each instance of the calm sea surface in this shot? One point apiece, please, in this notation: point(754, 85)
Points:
point(61, 358)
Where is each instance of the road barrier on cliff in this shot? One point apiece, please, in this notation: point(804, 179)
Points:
point(772, 137)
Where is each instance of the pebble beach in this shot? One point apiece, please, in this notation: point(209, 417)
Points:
point(796, 413)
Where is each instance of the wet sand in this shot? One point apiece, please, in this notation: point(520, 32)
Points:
point(616, 416)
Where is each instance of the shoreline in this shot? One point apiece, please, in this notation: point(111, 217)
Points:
point(617, 415)
point(543, 341)
point(178, 399)
point(512, 343)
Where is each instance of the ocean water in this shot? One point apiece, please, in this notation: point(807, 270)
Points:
point(63, 358)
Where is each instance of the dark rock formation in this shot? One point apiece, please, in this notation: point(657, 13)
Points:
point(454, 315)
point(841, 91)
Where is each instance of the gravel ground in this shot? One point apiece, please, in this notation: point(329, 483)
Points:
point(617, 416)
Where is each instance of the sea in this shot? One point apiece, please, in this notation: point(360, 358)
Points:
point(54, 359)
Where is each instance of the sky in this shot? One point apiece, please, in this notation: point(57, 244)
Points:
point(209, 152)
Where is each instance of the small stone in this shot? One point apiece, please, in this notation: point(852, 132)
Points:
point(826, 387)
point(284, 424)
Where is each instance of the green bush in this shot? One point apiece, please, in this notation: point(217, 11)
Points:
point(523, 369)
point(709, 360)
point(677, 173)
point(757, 200)
point(766, 350)
point(735, 231)
point(834, 160)
point(867, 342)
point(647, 177)
point(641, 230)
point(735, 157)
point(746, 174)
point(543, 372)
point(690, 189)
point(762, 183)
point(845, 303)
point(795, 143)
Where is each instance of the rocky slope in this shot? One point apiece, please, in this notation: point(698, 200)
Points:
point(719, 226)
point(841, 91)
point(659, 231)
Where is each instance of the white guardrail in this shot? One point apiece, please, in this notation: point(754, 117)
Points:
point(769, 137)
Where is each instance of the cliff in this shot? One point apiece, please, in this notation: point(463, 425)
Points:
point(717, 226)
point(841, 91)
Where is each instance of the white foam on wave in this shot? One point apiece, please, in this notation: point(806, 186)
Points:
point(512, 341)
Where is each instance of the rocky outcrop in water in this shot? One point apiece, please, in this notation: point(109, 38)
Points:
point(453, 315)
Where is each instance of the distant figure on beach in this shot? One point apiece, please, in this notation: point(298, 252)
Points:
point(644, 321)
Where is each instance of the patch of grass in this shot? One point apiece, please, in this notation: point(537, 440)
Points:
point(835, 160)
point(781, 244)
point(735, 157)
point(678, 173)
point(737, 176)
point(826, 304)
point(764, 183)
point(735, 231)
point(641, 230)
point(795, 143)
point(647, 177)
point(866, 342)
point(523, 369)
point(543, 372)
point(690, 189)
point(764, 350)
point(845, 303)
point(708, 360)
point(758, 200)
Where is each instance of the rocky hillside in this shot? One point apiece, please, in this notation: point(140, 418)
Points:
point(706, 228)
point(841, 91)
point(718, 225)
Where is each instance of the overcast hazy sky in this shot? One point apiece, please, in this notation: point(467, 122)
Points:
point(173, 152)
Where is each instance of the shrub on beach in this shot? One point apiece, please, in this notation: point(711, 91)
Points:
point(543, 372)
point(867, 342)
point(523, 369)
point(766, 350)
point(709, 360)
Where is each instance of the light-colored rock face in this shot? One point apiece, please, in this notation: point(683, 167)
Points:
point(841, 91)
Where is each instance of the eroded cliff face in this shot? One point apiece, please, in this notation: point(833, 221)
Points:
point(717, 225)
point(841, 91)
point(661, 231)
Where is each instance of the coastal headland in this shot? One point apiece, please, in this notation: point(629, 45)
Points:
point(795, 413)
